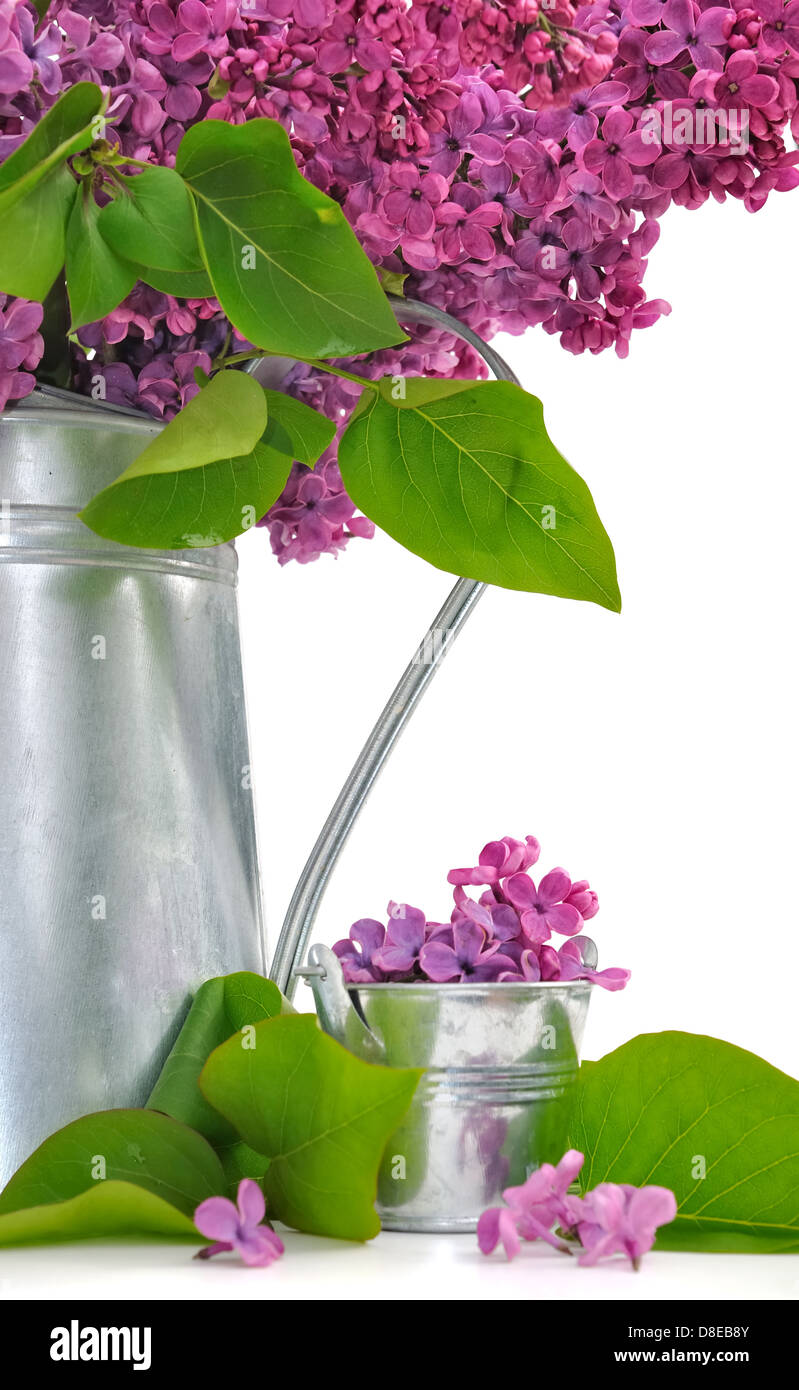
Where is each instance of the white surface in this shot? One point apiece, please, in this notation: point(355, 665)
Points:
point(394, 1266)
point(653, 752)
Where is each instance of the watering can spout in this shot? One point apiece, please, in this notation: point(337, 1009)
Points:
point(337, 1013)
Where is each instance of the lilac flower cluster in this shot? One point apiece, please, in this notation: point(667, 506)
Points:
point(504, 936)
point(511, 159)
point(611, 1219)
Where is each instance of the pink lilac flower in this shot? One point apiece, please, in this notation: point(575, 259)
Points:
point(238, 1226)
point(610, 1219)
point(21, 347)
point(690, 30)
point(544, 909)
point(497, 859)
point(781, 27)
point(357, 953)
point(470, 955)
point(412, 198)
point(348, 41)
point(405, 936)
point(620, 150)
point(619, 1219)
point(532, 1210)
point(501, 937)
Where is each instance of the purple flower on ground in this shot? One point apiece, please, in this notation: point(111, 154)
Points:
point(532, 1209)
point(237, 1226)
point(544, 909)
point(619, 1219)
point(471, 956)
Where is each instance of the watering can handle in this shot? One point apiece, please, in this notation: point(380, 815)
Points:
point(313, 880)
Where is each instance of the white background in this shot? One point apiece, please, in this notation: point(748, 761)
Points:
point(655, 752)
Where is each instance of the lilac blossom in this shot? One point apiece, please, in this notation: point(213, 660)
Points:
point(619, 1219)
point(239, 1226)
point(21, 347)
point(461, 141)
point(531, 1210)
point(610, 1219)
point(543, 909)
point(503, 937)
point(700, 33)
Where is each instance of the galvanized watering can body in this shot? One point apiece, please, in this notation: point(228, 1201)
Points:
point(495, 1099)
point(128, 871)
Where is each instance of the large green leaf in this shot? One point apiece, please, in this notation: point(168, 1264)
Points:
point(32, 235)
point(62, 131)
point(320, 1114)
point(121, 1148)
point(221, 1007)
point(294, 430)
point(116, 1209)
point(285, 264)
point(465, 475)
point(716, 1124)
point(151, 224)
point(97, 280)
point(204, 479)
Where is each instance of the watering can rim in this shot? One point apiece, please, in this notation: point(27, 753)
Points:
point(54, 405)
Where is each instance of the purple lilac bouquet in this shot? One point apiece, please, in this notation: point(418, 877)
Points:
point(611, 1219)
point(504, 936)
point(508, 161)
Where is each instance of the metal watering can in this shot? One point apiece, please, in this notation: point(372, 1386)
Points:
point(500, 1059)
point(128, 869)
point(128, 865)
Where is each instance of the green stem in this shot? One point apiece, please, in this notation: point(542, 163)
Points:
point(309, 362)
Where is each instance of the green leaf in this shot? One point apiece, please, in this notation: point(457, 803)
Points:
point(32, 236)
point(204, 479)
point(41, 7)
point(465, 475)
point(221, 1007)
point(285, 264)
point(321, 1115)
point(62, 131)
point(116, 1209)
point(294, 430)
point(97, 280)
point(190, 284)
point(118, 1148)
point(667, 1107)
point(151, 223)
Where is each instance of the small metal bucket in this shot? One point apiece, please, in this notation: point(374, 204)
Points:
point(500, 1059)
point(128, 871)
point(495, 1099)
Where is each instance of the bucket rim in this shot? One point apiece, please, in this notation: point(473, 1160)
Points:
point(458, 987)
